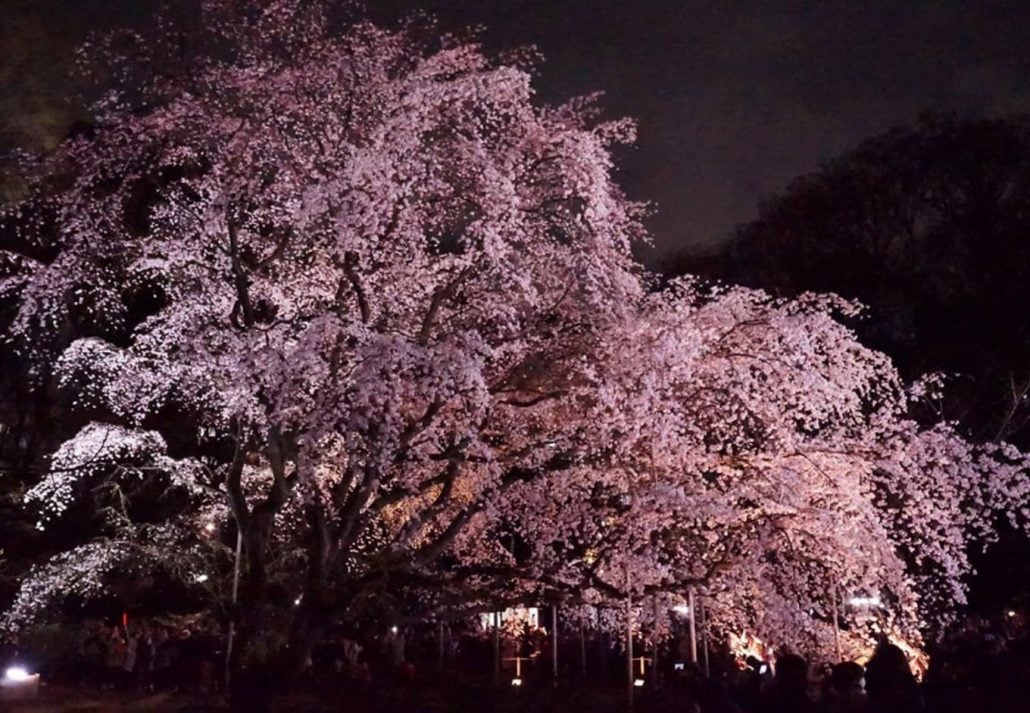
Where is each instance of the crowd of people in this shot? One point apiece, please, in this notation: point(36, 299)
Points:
point(978, 669)
point(146, 657)
point(885, 684)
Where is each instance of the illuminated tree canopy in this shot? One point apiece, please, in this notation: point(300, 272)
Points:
point(353, 289)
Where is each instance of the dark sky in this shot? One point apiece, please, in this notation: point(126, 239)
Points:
point(734, 99)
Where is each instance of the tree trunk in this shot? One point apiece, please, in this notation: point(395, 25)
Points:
point(249, 685)
point(308, 625)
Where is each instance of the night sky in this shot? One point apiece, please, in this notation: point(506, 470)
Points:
point(733, 99)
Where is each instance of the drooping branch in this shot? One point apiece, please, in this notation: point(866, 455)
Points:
point(438, 300)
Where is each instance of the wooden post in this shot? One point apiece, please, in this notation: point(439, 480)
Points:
point(693, 625)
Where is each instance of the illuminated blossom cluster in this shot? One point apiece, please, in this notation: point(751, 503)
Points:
point(95, 449)
point(88, 571)
point(79, 572)
point(752, 449)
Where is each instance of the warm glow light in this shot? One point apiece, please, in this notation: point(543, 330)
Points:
point(516, 682)
point(200, 578)
point(210, 527)
point(638, 682)
point(1011, 614)
point(918, 660)
point(746, 645)
point(393, 629)
point(522, 616)
point(17, 674)
point(681, 609)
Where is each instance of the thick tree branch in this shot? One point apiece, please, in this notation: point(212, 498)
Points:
point(240, 281)
point(439, 299)
point(350, 264)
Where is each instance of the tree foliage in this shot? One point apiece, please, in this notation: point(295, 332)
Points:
point(928, 225)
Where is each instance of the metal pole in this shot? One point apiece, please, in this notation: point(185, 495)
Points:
point(629, 643)
point(836, 623)
point(554, 643)
point(497, 648)
point(232, 612)
point(693, 626)
point(704, 640)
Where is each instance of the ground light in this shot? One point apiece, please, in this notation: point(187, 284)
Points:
point(638, 683)
point(18, 684)
point(17, 674)
point(516, 682)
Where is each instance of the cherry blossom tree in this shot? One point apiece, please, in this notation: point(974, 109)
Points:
point(353, 290)
point(752, 449)
point(329, 277)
